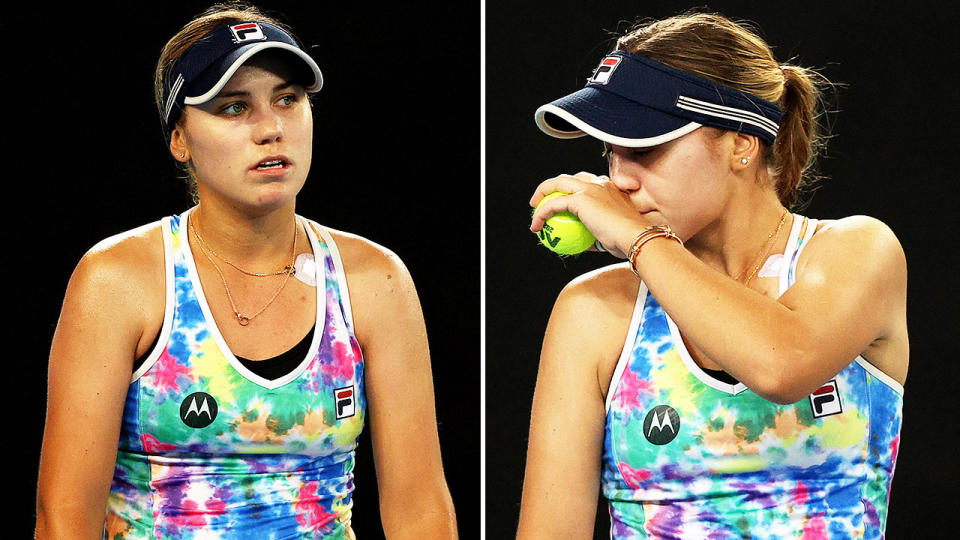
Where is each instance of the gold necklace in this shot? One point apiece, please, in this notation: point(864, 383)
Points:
point(244, 320)
point(285, 270)
point(771, 239)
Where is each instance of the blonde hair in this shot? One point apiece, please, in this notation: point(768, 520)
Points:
point(213, 17)
point(732, 54)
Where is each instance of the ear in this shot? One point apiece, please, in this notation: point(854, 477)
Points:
point(178, 145)
point(746, 149)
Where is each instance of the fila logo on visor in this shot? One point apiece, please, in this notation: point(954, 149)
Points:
point(825, 401)
point(606, 68)
point(247, 32)
point(346, 403)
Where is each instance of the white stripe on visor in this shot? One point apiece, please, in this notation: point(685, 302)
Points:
point(586, 129)
point(730, 113)
point(173, 96)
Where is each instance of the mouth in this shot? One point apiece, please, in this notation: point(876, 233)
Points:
point(272, 163)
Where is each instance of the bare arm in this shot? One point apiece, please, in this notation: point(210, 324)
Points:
point(850, 295)
point(562, 476)
point(414, 500)
point(88, 375)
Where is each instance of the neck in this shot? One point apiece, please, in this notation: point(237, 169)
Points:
point(260, 241)
point(734, 242)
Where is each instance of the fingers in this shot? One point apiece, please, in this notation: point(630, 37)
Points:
point(566, 183)
point(551, 207)
point(574, 186)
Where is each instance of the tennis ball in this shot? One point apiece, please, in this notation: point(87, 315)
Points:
point(564, 233)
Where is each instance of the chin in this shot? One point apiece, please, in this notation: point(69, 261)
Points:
point(271, 197)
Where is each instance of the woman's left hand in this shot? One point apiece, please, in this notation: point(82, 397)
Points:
point(605, 210)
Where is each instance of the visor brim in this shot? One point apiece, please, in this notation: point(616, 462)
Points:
point(610, 118)
point(216, 76)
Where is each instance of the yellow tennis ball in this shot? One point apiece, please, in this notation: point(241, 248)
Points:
point(564, 233)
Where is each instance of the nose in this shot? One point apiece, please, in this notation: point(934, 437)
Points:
point(268, 126)
point(621, 174)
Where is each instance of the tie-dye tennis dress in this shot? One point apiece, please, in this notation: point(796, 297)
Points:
point(209, 449)
point(688, 456)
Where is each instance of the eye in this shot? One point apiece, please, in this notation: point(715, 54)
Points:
point(641, 151)
point(287, 100)
point(234, 109)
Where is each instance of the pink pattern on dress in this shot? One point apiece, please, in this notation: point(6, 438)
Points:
point(153, 445)
point(815, 528)
point(630, 388)
point(166, 372)
point(310, 514)
point(633, 477)
point(800, 495)
point(339, 369)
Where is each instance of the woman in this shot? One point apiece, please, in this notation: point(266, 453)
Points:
point(222, 347)
point(741, 374)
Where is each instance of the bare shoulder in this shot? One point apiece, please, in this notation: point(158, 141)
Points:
point(589, 323)
point(382, 292)
point(859, 228)
point(363, 257)
point(861, 241)
point(122, 278)
point(131, 260)
point(588, 326)
point(114, 298)
point(607, 293)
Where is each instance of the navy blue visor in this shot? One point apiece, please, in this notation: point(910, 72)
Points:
point(206, 67)
point(634, 101)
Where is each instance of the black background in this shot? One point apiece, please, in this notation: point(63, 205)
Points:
point(893, 157)
point(396, 146)
point(396, 160)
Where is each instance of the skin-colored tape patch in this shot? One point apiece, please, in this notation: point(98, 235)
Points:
point(771, 268)
point(306, 269)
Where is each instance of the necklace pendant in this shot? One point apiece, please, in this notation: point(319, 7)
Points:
point(243, 320)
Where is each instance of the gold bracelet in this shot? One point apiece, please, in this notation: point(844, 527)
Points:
point(649, 233)
point(649, 230)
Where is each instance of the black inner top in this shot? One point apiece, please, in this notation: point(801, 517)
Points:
point(271, 368)
point(720, 375)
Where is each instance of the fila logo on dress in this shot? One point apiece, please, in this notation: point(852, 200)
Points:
point(198, 410)
point(246, 32)
point(825, 401)
point(346, 403)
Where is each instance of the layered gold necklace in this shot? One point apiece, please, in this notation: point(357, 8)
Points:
point(771, 239)
point(288, 270)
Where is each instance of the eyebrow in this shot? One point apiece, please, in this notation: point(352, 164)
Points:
point(236, 93)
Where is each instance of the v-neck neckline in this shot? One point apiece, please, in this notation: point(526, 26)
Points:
point(320, 318)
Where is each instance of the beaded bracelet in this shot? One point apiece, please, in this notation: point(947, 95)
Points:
point(649, 233)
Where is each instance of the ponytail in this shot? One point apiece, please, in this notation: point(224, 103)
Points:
point(800, 138)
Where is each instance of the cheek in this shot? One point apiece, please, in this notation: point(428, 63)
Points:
point(687, 193)
point(210, 151)
point(304, 137)
point(304, 126)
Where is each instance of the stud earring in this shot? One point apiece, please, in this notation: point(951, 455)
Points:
point(182, 154)
point(744, 160)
